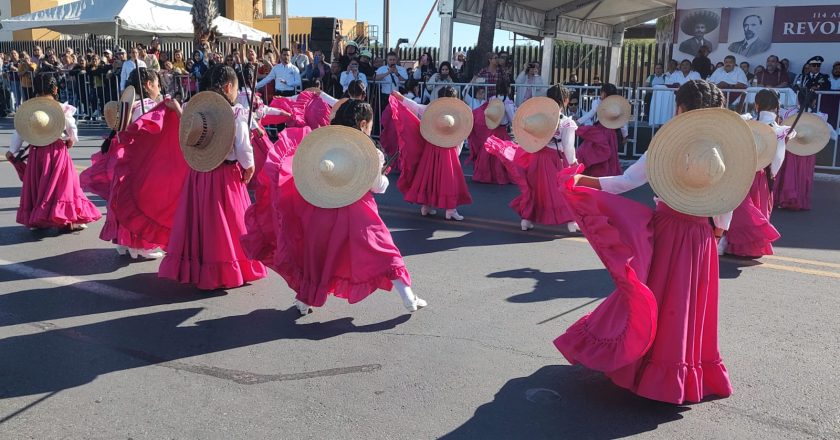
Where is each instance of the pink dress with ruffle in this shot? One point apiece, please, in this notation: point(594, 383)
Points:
point(486, 167)
point(656, 335)
point(598, 152)
point(750, 233)
point(540, 200)
point(430, 175)
point(150, 173)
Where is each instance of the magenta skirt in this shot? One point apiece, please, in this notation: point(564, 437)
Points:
point(656, 335)
point(51, 195)
point(98, 176)
point(792, 189)
point(750, 233)
point(204, 247)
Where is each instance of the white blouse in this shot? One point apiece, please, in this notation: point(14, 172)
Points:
point(70, 130)
point(564, 139)
point(242, 150)
point(781, 131)
point(636, 176)
point(381, 183)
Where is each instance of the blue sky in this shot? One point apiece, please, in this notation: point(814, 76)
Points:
point(406, 19)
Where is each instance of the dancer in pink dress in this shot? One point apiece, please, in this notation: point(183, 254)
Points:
point(793, 185)
point(598, 152)
point(750, 233)
point(145, 161)
point(330, 239)
point(204, 247)
point(656, 335)
point(491, 119)
point(51, 196)
point(429, 149)
point(540, 153)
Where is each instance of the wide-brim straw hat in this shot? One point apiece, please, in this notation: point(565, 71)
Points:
point(40, 121)
point(709, 18)
point(126, 106)
point(337, 106)
point(111, 114)
point(765, 143)
point(535, 123)
point(335, 166)
point(494, 113)
point(812, 135)
point(702, 162)
point(446, 123)
point(206, 131)
point(614, 111)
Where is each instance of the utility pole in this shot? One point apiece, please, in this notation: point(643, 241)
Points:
point(386, 40)
point(284, 24)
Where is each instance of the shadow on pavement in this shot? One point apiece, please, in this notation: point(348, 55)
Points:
point(564, 402)
point(64, 358)
point(76, 263)
point(422, 240)
point(591, 283)
point(10, 192)
point(93, 297)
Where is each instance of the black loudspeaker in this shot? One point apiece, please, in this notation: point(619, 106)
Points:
point(324, 46)
point(323, 28)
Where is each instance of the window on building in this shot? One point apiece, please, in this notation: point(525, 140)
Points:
point(272, 8)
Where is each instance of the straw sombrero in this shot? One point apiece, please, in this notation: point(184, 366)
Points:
point(535, 123)
point(206, 131)
point(765, 143)
point(335, 166)
point(812, 135)
point(40, 121)
point(111, 114)
point(701, 171)
point(446, 122)
point(614, 111)
point(494, 113)
point(337, 106)
point(125, 109)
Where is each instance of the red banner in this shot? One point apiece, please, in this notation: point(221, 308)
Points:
point(807, 24)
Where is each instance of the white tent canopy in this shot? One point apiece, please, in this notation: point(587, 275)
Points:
point(128, 18)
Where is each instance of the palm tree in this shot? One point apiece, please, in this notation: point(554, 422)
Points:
point(485, 36)
point(203, 13)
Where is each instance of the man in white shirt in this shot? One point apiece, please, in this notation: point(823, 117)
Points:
point(285, 75)
point(682, 76)
point(129, 65)
point(730, 77)
point(392, 75)
point(834, 78)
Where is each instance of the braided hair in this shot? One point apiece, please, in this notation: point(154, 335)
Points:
point(356, 90)
point(447, 92)
point(46, 84)
point(767, 100)
point(698, 93)
point(559, 94)
point(141, 76)
point(609, 89)
point(352, 113)
point(217, 78)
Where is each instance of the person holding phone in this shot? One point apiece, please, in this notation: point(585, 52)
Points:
point(529, 83)
point(352, 73)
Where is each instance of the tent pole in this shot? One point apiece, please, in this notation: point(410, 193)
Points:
point(116, 31)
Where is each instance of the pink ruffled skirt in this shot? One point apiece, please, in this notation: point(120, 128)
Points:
point(51, 195)
point(792, 189)
point(750, 233)
point(204, 247)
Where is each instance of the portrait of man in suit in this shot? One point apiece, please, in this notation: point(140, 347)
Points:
point(698, 24)
point(752, 44)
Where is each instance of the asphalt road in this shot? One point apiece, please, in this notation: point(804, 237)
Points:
point(93, 345)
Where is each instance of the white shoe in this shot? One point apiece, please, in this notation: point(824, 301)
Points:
point(303, 308)
point(452, 214)
point(722, 245)
point(121, 250)
point(573, 227)
point(526, 224)
point(416, 304)
point(133, 253)
point(78, 226)
point(153, 254)
point(426, 210)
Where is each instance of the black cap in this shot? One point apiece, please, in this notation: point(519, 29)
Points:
point(816, 59)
